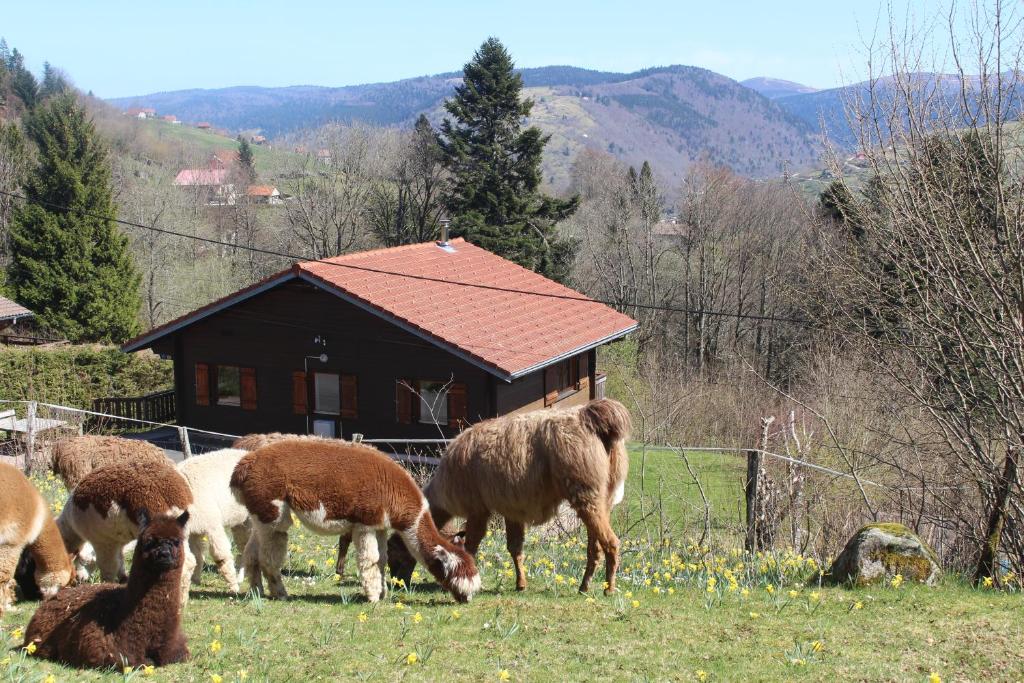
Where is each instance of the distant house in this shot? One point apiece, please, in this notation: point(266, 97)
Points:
point(170, 118)
point(11, 312)
point(203, 125)
point(323, 156)
point(408, 342)
point(141, 112)
point(263, 194)
point(212, 184)
point(258, 140)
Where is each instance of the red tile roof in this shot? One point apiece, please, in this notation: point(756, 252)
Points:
point(261, 191)
point(201, 176)
point(10, 310)
point(497, 314)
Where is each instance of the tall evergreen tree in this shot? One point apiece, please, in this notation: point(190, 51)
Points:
point(69, 262)
point(246, 159)
point(23, 83)
point(494, 196)
point(53, 82)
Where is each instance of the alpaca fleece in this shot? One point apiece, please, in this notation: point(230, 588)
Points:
point(251, 442)
point(213, 510)
point(105, 625)
point(74, 458)
point(523, 467)
point(26, 525)
point(337, 488)
point(104, 510)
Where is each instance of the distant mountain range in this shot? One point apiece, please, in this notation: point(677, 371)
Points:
point(671, 116)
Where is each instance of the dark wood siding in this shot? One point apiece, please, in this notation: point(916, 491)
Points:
point(275, 331)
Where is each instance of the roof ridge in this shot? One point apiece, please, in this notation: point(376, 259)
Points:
point(380, 250)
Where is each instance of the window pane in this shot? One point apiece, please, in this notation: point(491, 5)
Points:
point(433, 403)
point(229, 389)
point(328, 393)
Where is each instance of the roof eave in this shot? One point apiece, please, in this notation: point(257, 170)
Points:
point(569, 354)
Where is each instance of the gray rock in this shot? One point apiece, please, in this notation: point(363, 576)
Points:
point(878, 552)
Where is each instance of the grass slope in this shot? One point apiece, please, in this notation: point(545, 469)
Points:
point(682, 613)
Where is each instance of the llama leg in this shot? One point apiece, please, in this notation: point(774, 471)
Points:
point(251, 563)
point(273, 549)
point(220, 549)
point(382, 562)
point(9, 555)
point(476, 529)
point(187, 569)
point(515, 534)
point(367, 558)
point(110, 561)
point(198, 548)
point(344, 541)
point(600, 538)
point(240, 535)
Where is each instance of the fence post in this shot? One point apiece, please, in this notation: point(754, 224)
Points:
point(30, 439)
point(186, 448)
point(753, 480)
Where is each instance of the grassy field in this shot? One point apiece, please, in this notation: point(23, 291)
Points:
point(682, 613)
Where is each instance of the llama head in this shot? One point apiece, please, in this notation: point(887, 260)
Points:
point(41, 580)
point(161, 541)
point(455, 569)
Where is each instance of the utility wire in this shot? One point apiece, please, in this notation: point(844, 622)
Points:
point(425, 278)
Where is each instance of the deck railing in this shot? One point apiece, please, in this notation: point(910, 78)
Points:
point(156, 407)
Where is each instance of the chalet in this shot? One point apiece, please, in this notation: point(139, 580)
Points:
point(212, 184)
point(400, 343)
point(141, 113)
point(263, 194)
point(11, 312)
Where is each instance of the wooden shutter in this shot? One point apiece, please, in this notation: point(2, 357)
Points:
point(404, 399)
point(247, 379)
point(202, 384)
point(550, 385)
point(300, 393)
point(582, 372)
point(349, 397)
point(457, 408)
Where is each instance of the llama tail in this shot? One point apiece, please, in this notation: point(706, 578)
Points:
point(240, 475)
point(608, 420)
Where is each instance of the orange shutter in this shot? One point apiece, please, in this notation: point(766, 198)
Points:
point(202, 384)
point(404, 400)
point(349, 397)
point(248, 382)
point(300, 395)
point(550, 385)
point(457, 405)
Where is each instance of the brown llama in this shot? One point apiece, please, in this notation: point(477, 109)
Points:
point(26, 525)
point(76, 457)
point(104, 510)
point(105, 625)
point(336, 488)
point(522, 467)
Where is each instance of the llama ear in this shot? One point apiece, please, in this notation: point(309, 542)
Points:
point(143, 517)
point(183, 519)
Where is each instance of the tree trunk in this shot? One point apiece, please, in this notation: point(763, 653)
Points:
point(988, 563)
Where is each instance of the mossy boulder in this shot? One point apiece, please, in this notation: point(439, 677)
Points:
point(879, 552)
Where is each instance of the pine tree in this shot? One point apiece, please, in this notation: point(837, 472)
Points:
point(69, 262)
point(494, 196)
point(246, 160)
point(53, 82)
point(23, 83)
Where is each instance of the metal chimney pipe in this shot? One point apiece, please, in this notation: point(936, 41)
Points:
point(444, 232)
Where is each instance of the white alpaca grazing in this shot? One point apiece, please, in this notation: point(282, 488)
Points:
point(215, 509)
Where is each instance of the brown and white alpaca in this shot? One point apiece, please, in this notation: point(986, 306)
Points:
point(78, 456)
point(27, 525)
point(523, 467)
point(337, 488)
point(104, 511)
point(106, 625)
point(213, 510)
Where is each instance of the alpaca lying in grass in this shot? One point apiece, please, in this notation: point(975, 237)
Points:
point(105, 625)
point(104, 510)
point(26, 524)
point(523, 467)
point(213, 510)
point(74, 458)
point(337, 488)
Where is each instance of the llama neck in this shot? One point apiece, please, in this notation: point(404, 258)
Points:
point(48, 550)
point(427, 539)
point(146, 588)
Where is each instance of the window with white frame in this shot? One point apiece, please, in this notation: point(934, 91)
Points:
point(327, 388)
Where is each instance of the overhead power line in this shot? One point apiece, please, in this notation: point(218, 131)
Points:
point(424, 278)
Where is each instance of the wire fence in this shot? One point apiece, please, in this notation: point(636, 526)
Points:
point(706, 495)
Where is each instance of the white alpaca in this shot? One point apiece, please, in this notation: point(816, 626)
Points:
point(215, 509)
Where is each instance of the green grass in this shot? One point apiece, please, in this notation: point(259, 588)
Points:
point(663, 624)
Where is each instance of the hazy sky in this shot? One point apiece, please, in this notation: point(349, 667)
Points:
point(130, 48)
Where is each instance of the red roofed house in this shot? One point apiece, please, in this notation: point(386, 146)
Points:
point(212, 183)
point(263, 194)
point(406, 342)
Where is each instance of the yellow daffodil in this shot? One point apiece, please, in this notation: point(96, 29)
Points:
point(216, 646)
point(934, 678)
point(217, 630)
point(987, 582)
point(216, 678)
point(770, 589)
point(504, 675)
point(793, 594)
point(5, 661)
point(31, 648)
point(417, 618)
point(127, 670)
point(148, 670)
point(590, 601)
point(858, 605)
point(17, 634)
point(816, 646)
point(754, 615)
point(455, 614)
point(897, 581)
point(362, 617)
point(636, 603)
point(411, 658)
point(671, 590)
point(50, 678)
point(701, 675)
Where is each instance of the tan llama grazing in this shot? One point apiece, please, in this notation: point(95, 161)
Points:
point(76, 457)
point(523, 467)
point(27, 524)
point(104, 511)
point(110, 626)
point(336, 488)
point(214, 509)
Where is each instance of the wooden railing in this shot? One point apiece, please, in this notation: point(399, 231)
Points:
point(156, 407)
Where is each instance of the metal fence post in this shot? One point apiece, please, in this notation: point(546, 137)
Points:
point(186, 448)
point(30, 440)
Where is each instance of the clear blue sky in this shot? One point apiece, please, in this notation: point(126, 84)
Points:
point(118, 48)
